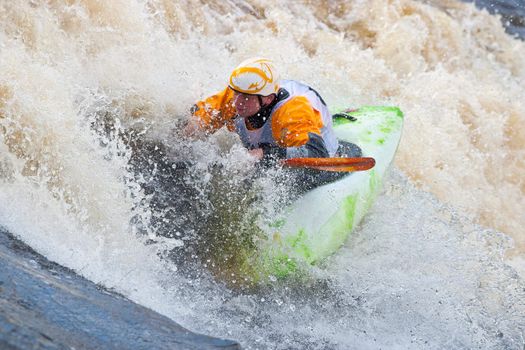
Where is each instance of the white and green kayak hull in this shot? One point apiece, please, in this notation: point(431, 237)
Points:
point(319, 222)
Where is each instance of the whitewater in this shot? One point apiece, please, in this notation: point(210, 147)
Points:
point(93, 93)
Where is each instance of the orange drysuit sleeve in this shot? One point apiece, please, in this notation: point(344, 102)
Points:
point(292, 122)
point(216, 111)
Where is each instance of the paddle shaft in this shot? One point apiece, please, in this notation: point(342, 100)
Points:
point(331, 164)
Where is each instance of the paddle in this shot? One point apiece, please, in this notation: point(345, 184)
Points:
point(331, 164)
point(327, 164)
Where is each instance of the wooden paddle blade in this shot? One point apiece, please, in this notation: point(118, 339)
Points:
point(331, 164)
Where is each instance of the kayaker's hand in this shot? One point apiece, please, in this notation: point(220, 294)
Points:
point(257, 153)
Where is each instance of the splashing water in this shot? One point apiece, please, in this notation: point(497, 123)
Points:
point(92, 94)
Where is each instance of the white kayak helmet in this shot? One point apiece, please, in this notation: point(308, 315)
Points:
point(255, 76)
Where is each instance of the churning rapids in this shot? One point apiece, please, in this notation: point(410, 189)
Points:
point(92, 96)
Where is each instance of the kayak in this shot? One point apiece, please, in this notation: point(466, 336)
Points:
point(317, 224)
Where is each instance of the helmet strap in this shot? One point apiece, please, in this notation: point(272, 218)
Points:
point(258, 119)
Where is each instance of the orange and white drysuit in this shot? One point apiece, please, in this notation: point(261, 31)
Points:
point(298, 123)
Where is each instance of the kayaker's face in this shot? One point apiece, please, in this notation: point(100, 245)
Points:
point(246, 105)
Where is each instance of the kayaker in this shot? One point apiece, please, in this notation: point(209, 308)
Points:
point(274, 118)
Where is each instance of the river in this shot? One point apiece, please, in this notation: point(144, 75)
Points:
point(437, 263)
